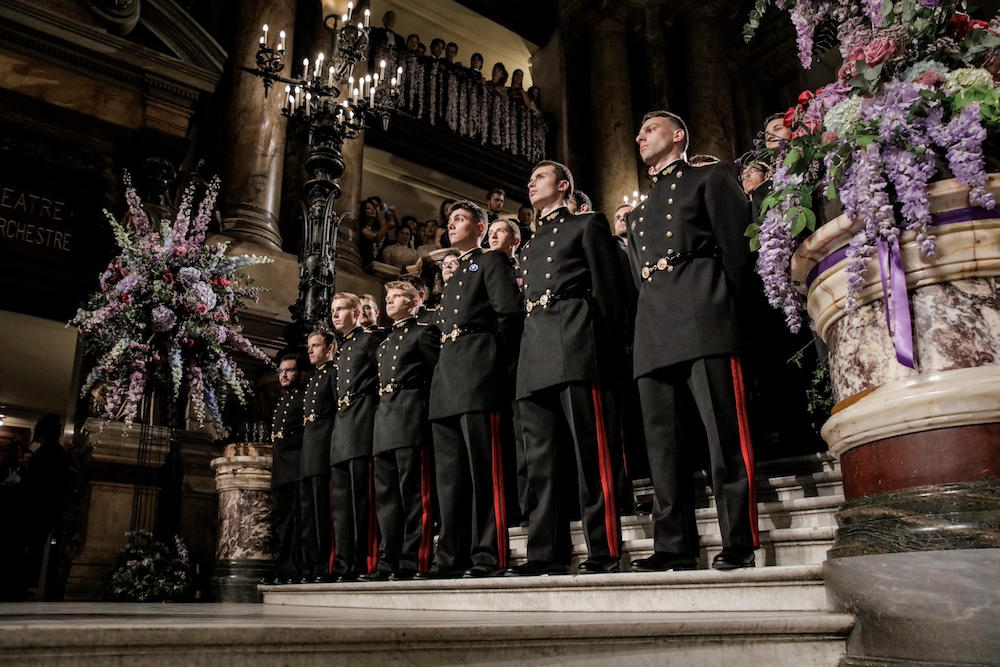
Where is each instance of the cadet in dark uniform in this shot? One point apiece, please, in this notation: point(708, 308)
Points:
point(402, 446)
point(286, 446)
point(481, 320)
point(355, 528)
point(686, 244)
point(314, 487)
point(573, 286)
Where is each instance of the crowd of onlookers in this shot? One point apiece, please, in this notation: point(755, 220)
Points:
point(494, 108)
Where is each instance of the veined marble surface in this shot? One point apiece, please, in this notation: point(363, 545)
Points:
point(245, 526)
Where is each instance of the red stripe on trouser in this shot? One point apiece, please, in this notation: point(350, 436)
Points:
point(499, 501)
point(372, 520)
point(746, 446)
point(426, 512)
point(333, 538)
point(607, 477)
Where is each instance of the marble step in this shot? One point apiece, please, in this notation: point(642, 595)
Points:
point(770, 589)
point(75, 635)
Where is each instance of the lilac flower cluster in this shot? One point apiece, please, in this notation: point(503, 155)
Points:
point(776, 248)
point(963, 137)
point(166, 314)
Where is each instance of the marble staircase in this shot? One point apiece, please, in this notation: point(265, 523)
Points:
point(775, 614)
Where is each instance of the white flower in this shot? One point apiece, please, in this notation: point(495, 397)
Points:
point(844, 117)
point(969, 77)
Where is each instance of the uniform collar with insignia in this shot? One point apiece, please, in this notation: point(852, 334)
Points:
point(402, 323)
point(669, 169)
point(469, 254)
point(353, 332)
point(562, 210)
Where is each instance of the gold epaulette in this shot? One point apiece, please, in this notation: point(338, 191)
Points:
point(705, 160)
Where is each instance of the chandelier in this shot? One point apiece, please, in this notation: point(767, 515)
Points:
point(315, 107)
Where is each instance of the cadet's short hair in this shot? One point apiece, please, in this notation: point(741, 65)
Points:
point(474, 210)
point(412, 279)
point(351, 298)
point(512, 227)
point(675, 119)
point(370, 297)
point(562, 174)
point(406, 288)
point(327, 336)
point(301, 361)
point(436, 41)
point(580, 198)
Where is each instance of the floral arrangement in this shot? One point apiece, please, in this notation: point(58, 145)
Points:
point(147, 570)
point(917, 92)
point(166, 314)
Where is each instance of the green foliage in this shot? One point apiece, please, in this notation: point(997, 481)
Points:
point(147, 570)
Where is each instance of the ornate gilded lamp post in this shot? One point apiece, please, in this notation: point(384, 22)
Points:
point(315, 109)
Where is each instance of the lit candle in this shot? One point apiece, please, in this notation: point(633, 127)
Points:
point(329, 80)
point(393, 82)
point(625, 198)
point(375, 80)
point(319, 65)
point(344, 19)
point(350, 11)
point(263, 39)
point(368, 16)
point(372, 92)
point(305, 68)
point(281, 41)
point(308, 98)
point(288, 96)
point(382, 67)
point(360, 26)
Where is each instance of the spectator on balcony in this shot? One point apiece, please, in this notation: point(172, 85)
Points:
point(443, 212)
point(450, 53)
point(386, 35)
point(516, 90)
point(533, 100)
point(416, 230)
point(431, 238)
point(413, 43)
point(494, 203)
point(525, 216)
point(400, 254)
point(476, 67)
point(421, 50)
point(374, 225)
point(498, 78)
point(437, 48)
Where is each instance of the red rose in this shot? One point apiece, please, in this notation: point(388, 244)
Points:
point(168, 277)
point(804, 97)
point(977, 24)
point(190, 342)
point(959, 23)
point(879, 50)
point(202, 309)
point(790, 117)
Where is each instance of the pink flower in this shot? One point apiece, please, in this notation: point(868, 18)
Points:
point(931, 79)
point(879, 50)
point(202, 309)
point(829, 137)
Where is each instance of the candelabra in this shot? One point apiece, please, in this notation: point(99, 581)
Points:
point(315, 108)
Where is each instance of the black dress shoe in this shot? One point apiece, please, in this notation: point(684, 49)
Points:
point(377, 575)
point(350, 575)
point(599, 566)
point(403, 574)
point(441, 573)
point(733, 559)
point(662, 561)
point(537, 568)
point(481, 571)
point(322, 579)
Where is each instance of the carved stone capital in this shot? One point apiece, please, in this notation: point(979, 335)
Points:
point(119, 16)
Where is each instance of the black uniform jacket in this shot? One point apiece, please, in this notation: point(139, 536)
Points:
point(320, 408)
point(691, 261)
point(572, 282)
point(286, 437)
point(482, 316)
point(406, 361)
point(357, 387)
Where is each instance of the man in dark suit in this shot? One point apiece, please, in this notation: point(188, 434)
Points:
point(320, 406)
point(687, 249)
point(355, 536)
point(572, 284)
point(286, 439)
point(481, 320)
point(403, 470)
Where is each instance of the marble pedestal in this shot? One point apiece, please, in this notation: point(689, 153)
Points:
point(247, 547)
point(919, 448)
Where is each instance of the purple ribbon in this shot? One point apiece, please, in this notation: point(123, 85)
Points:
point(897, 305)
point(894, 297)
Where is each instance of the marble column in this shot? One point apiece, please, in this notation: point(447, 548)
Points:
point(611, 113)
point(710, 91)
point(247, 547)
point(254, 130)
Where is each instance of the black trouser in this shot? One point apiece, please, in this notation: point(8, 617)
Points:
point(314, 525)
point(572, 421)
point(355, 528)
point(525, 499)
point(468, 462)
point(403, 492)
point(287, 529)
point(715, 386)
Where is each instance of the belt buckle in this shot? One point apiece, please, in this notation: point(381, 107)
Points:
point(277, 436)
point(646, 271)
point(529, 306)
point(662, 264)
point(453, 335)
point(310, 418)
point(543, 300)
point(389, 388)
